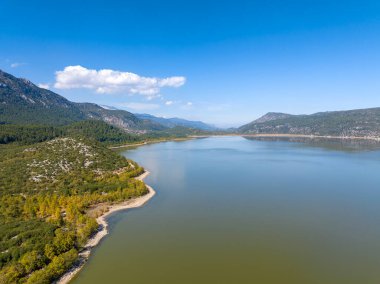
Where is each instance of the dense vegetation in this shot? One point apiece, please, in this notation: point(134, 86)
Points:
point(90, 129)
point(46, 190)
point(95, 130)
point(101, 132)
point(362, 122)
point(28, 134)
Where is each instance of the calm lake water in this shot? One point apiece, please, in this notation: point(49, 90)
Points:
point(234, 210)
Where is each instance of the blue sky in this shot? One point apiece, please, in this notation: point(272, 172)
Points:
point(223, 62)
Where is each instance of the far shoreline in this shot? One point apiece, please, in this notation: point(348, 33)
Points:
point(102, 221)
point(131, 145)
point(313, 136)
point(280, 135)
point(261, 135)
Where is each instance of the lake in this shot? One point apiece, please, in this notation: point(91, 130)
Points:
point(237, 210)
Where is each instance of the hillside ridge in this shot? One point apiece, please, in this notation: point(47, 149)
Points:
point(355, 123)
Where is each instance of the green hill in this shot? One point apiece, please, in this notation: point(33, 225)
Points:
point(95, 130)
point(46, 190)
point(100, 131)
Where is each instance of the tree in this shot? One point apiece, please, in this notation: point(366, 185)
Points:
point(31, 261)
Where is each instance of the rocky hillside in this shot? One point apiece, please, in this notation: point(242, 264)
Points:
point(119, 118)
point(23, 102)
point(272, 116)
point(361, 123)
point(43, 166)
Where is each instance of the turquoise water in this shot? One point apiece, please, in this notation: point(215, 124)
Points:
point(233, 210)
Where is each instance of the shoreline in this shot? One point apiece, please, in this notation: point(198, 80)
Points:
point(263, 135)
point(103, 224)
point(150, 142)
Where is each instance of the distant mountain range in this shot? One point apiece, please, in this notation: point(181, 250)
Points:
point(359, 123)
point(22, 102)
point(174, 122)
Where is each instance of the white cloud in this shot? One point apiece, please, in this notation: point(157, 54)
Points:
point(140, 106)
point(44, 86)
point(168, 103)
point(112, 81)
point(189, 103)
point(17, 64)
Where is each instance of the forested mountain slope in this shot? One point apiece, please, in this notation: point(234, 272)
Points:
point(95, 130)
point(23, 102)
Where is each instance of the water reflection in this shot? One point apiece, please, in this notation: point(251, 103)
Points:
point(335, 144)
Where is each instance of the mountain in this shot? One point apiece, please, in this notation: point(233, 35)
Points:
point(173, 122)
point(119, 118)
point(272, 116)
point(108, 107)
point(23, 102)
point(360, 122)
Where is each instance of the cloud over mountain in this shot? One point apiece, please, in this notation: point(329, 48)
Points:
point(112, 81)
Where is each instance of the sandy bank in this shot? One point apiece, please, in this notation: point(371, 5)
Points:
point(103, 231)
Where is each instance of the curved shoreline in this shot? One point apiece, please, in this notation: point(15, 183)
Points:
point(102, 221)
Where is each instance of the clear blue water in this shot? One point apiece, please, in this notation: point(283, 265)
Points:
point(233, 210)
